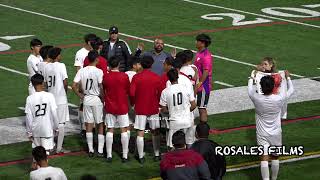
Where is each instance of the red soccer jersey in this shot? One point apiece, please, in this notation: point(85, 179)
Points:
point(145, 91)
point(163, 81)
point(102, 64)
point(116, 91)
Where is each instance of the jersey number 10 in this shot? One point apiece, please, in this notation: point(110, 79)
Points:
point(179, 99)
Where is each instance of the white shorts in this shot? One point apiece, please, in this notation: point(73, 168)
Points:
point(31, 89)
point(93, 114)
point(116, 121)
point(189, 135)
point(46, 142)
point(267, 141)
point(63, 113)
point(141, 122)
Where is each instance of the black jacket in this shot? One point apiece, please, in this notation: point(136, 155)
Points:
point(216, 163)
point(120, 49)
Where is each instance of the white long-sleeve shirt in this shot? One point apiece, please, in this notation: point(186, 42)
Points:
point(268, 109)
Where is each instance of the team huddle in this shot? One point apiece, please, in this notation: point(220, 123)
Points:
point(154, 89)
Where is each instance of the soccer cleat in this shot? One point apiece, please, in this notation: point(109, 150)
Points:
point(91, 154)
point(141, 160)
point(109, 160)
point(100, 155)
point(157, 158)
point(125, 160)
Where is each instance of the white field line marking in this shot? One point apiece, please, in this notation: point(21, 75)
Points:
point(246, 12)
point(281, 161)
point(15, 37)
point(311, 6)
point(224, 84)
point(21, 108)
point(127, 35)
point(19, 72)
point(318, 68)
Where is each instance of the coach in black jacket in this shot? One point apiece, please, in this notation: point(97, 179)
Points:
point(116, 47)
point(206, 147)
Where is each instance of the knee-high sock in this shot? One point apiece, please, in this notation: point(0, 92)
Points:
point(100, 143)
point(156, 145)
point(265, 170)
point(89, 136)
point(140, 145)
point(109, 141)
point(274, 169)
point(125, 144)
point(60, 137)
point(128, 131)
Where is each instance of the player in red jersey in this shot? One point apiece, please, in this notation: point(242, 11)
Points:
point(145, 91)
point(116, 89)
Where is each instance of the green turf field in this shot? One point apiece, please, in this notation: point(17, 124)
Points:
point(236, 48)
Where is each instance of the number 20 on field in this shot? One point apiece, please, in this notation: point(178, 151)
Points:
point(238, 19)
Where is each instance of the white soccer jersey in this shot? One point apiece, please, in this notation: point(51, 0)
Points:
point(131, 74)
point(177, 98)
point(49, 172)
point(80, 56)
point(41, 114)
point(90, 78)
point(268, 109)
point(189, 71)
point(41, 67)
point(54, 75)
point(32, 64)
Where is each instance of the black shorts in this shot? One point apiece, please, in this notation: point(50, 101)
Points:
point(202, 99)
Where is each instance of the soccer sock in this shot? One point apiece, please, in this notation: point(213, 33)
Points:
point(274, 169)
point(100, 143)
point(128, 135)
point(156, 145)
point(125, 144)
point(89, 136)
point(60, 137)
point(140, 145)
point(109, 141)
point(265, 170)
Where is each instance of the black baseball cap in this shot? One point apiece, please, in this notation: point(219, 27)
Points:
point(113, 30)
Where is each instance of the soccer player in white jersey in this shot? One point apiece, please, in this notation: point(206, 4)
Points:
point(78, 63)
point(268, 120)
point(41, 115)
point(186, 82)
point(44, 55)
point(90, 79)
point(43, 170)
point(135, 67)
point(179, 101)
point(33, 60)
point(56, 78)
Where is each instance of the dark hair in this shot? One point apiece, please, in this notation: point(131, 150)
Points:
point(178, 62)
point(179, 139)
point(89, 38)
point(88, 177)
point(146, 62)
point(53, 53)
point(93, 55)
point(182, 56)
point(37, 79)
point(44, 51)
point(202, 130)
point(96, 43)
point(173, 75)
point(204, 38)
point(114, 62)
point(35, 42)
point(169, 61)
point(133, 60)
point(39, 153)
point(267, 84)
point(189, 55)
